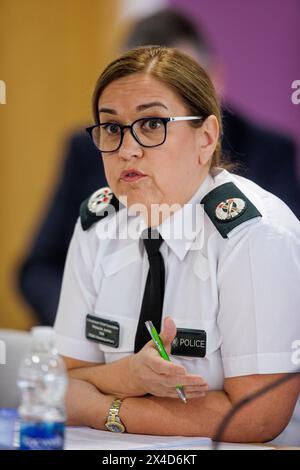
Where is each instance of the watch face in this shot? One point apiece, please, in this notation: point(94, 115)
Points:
point(114, 426)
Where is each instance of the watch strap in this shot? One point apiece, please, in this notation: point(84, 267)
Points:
point(113, 414)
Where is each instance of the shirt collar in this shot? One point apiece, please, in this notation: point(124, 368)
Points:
point(183, 231)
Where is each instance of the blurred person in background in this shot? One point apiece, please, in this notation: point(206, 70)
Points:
point(253, 150)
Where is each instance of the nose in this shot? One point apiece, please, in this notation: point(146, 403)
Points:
point(130, 147)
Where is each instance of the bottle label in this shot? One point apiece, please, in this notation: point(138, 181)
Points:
point(41, 436)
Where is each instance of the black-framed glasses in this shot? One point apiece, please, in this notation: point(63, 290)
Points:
point(148, 132)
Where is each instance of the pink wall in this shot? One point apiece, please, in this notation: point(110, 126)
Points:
point(259, 43)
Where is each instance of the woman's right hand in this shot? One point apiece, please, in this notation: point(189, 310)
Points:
point(151, 374)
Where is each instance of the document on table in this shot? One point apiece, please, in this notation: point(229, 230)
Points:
point(93, 439)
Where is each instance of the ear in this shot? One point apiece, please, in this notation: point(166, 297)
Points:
point(208, 138)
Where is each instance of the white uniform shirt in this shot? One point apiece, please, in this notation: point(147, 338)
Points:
point(242, 290)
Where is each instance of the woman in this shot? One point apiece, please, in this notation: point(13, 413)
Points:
point(219, 277)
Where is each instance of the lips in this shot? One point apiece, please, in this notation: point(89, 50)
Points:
point(131, 175)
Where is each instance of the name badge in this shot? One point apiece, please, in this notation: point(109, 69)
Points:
point(189, 343)
point(102, 331)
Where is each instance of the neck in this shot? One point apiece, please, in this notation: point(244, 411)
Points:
point(156, 214)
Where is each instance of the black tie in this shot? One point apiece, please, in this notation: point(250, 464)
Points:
point(153, 299)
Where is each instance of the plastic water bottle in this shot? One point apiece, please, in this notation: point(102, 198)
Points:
point(42, 381)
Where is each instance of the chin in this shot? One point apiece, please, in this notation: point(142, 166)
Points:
point(134, 194)
point(137, 199)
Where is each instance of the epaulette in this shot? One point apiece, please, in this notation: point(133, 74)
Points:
point(97, 206)
point(227, 207)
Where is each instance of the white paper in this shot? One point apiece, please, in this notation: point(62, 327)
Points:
point(91, 439)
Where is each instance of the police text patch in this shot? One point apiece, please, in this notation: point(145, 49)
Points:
point(189, 342)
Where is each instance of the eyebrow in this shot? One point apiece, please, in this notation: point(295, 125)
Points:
point(140, 107)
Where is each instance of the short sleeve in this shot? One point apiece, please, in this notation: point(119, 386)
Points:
point(259, 298)
point(77, 299)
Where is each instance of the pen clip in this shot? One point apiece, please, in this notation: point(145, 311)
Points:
point(149, 326)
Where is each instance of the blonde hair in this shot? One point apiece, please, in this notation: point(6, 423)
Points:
point(175, 69)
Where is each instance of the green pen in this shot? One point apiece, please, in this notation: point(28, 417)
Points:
point(160, 347)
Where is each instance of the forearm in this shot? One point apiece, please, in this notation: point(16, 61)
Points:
point(167, 416)
point(86, 406)
point(114, 378)
point(199, 417)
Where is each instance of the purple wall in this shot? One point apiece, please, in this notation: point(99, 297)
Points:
point(259, 43)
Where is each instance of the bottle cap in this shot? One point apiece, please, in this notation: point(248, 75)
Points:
point(43, 333)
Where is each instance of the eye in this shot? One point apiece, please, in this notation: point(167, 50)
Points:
point(152, 124)
point(111, 128)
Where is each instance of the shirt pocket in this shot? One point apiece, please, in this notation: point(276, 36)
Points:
point(120, 259)
point(128, 327)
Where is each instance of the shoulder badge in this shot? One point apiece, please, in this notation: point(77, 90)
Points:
point(227, 207)
point(94, 208)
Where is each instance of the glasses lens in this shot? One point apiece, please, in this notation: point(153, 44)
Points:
point(107, 137)
point(150, 132)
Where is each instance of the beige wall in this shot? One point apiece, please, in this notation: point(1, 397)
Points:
point(50, 55)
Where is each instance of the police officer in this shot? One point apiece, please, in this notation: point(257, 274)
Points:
point(210, 257)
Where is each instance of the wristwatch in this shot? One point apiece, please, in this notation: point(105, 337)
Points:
point(113, 422)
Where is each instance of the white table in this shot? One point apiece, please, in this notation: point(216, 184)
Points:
point(92, 439)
